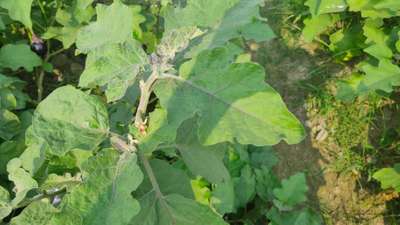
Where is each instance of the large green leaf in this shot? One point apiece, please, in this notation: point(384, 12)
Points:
point(19, 10)
point(108, 180)
point(68, 119)
point(225, 19)
point(17, 56)
point(231, 100)
point(389, 177)
point(114, 68)
point(114, 25)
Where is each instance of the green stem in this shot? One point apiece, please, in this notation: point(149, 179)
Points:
point(39, 83)
point(42, 10)
point(41, 196)
point(150, 173)
point(55, 53)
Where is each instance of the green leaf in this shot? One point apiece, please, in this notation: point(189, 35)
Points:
point(175, 206)
point(10, 124)
point(108, 180)
point(67, 35)
point(266, 183)
point(114, 68)
point(347, 43)
point(389, 177)
point(375, 9)
point(9, 150)
point(72, 20)
point(223, 197)
point(213, 88)
point(299, 217)
point(17, 56)
point(293, 190)
point(33, 158)
point(160, 131)
point(7, 99)
point(398, 45)
point(377, 40)
point(226, 20)
point(174, 210)
point(83, 4)
point(245, 187)
point(19, 10)
point(170, 179)
point(176, 40)
point(204, 161)
point(37, 213)
point(6, 81)
point(315, 25)
point(201, 190)
point(5, 207)
point(383, 77)
point(68, 119)
point(22, 180)
point(114, 25)
point(348, 88)
point(263, 157)
point(57, 182)
point(318, 7)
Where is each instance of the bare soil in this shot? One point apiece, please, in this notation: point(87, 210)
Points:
point(338, 196)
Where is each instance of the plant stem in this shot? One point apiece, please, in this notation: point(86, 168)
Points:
point(150, 173)
point(43, 11)
point(39, 83)
point(41, 196)
point(145, 93)
point(120, 144)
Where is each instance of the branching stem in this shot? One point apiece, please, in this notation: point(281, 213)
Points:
point(146, 89)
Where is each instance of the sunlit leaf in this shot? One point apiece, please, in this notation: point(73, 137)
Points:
point(68, 119)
